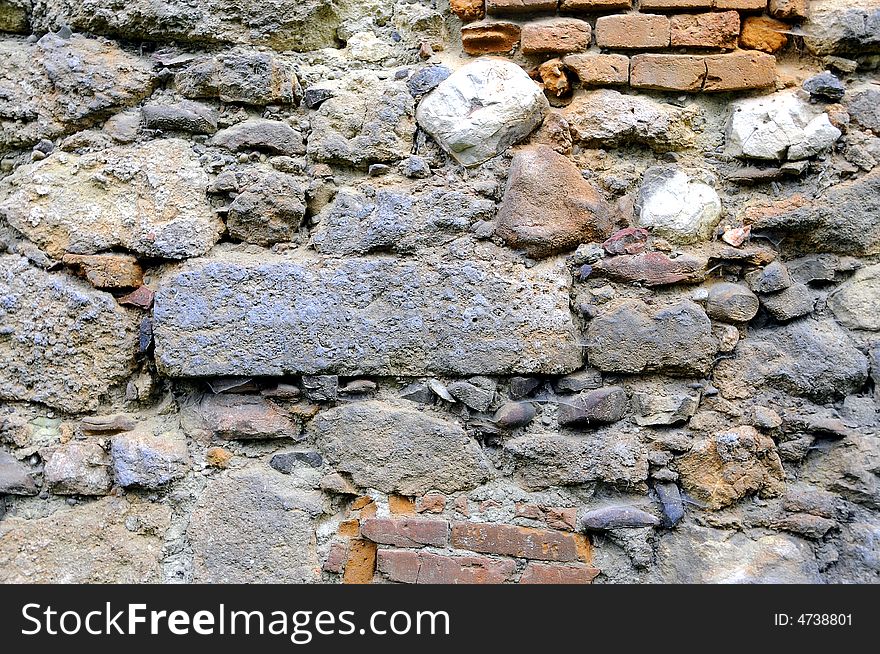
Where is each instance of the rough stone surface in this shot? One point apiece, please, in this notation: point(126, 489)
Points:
point(148, 458)
point(399, 450)
point(509, 107)
point(843, 27)
point(731, 302)
point(676, 207)
point(149, 199)
point(422, 304)
point(79, 468)
point(15, 478)
point(257, 78)
point(856, 304)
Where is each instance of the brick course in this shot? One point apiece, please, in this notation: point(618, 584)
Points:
point(519, 6)
point(493, 37)
point(544, 573)
point(632, 31)
point(521, 542)
point(556, 35)
point(411, 567)
point(709, 30)
point(406, 532)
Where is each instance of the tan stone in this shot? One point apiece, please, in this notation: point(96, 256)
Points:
point(556, 35)
point(741, 5)
point(632, 31)
point(708, 30)
point(740, 70)
point(107, 270)
point(490, 37)
point(790, 9)
point(554, 78)
point(667, 72)
point(599, 70)
point(468, 9)
point(763, 33)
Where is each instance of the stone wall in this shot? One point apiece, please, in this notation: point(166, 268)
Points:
point(433, 291)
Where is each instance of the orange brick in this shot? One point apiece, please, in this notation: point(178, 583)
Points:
point(632, 31)
point(349, 528)
point(594, 5)
point(415, 567)
point(468, 9)
point(740, 70)
point(509, 540)
point(741, 5)
point(556, 36)
point(519, 6)
point(673, 5)
point(763, 33)
point(360, 502)
point(599, 70)
point(400, 505)
point(361, 564)
point(584, 548)
point(719, 29)
point(667, 72)
point(490, 37)
point(545, 573)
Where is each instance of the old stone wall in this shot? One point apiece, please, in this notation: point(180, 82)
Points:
point(420, 291)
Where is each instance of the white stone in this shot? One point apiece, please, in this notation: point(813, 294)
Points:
point(482, 109)
point(677, 207)
point(777, 127)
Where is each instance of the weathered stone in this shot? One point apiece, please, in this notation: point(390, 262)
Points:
point(186, 116)
point(490, 37)
point(847, 468)
point(795, 301)
point(149, 457)
point(468, 9)
point(271, 136)
point(401, 318)
point(654, 268)
point(554, 77)
point(62, 343)
point(813, 359)
point(615, 517)
point(257, 78)
point(864, 108)
point(107, 271)
point(398, 450)
point(548, 207)
point(254, 526)
point(606, 118)
point(773, 277)
point(14, 16)
point(79, 468)
point(287, 462)
point(513, 415)
point(856, 304)
point(731, 302)
point(321, 388)
point(245, 417)
point(632, 338)
point(663, 409)
point(843, 27)
point(269, 208)
point(426, 80)
point(789, 9)
point(380, 132)
point(509, 107)
point(676, 207)
point(545, 460)
point(150, 199)
point(630, 240)
point(471, 396)
point(603, 405)
point(57, 86)
point(673, 507)
point(825, 86)
point(730, 465)
point(583, 380)
point(15, 478)
point(396, 220)
point(112, 424)
point(521, 387)
point(765, 34)
point(113, 540)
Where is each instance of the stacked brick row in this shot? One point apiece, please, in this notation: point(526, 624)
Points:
point(719, 45)
point(433, 541)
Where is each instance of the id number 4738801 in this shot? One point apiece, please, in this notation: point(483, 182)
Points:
point(813, 620)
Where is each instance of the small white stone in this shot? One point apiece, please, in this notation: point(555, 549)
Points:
point(679, 208)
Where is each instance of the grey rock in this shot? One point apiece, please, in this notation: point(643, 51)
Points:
point(269, 208)
point(600, 406)
point(814, 268)
point(272, 136)
point(417, 392)
point(773, 277)
point(615, 517)
point(731, 302)
point(427, 79)
point(380, 131)
point(398, 450)
point(246, 417)
point(847, 467)
point(673, 508)
point(795, 301)
point(394, 220)
point(513, 415)
point(521, 387)
point(807, 358)
point(471, 396)
point(149, 198)
point(358, 387)
point(415, 167)
point(257, 78)
point(482, 109)
point(149, 458)
point(657, 410)
point(107, 424)
point(321, 388)
point(607, 455)
point(254, 526)
point(673, 205)
point(864, 108)
point(192, 117)
point(79, 468)
point(400, 317)
point(286, 462)
point(632, 338)
point(825, 86)
point(15, 478)
point(83, 340)
point(58, 86)
point(607, 118)
point(314, 96)
point(582, 380)
point(843, 28)
point(856, 303)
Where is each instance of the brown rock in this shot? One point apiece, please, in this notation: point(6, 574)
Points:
point(631, 240)
point(654, 268)
point(556, 35)
point(709, 30)
point(548, 207)
point(790, 9)
point(431, 503)
point(739, 71)
point(468, 9)
point(667, 72)
point(106, 270)
point(555, 133)
point(632, 31)
point(554, 78)
point(142, 297)
point(599, 70)
point(730, 465)
point(490, 37)
point(218, 457)
point(763, 33)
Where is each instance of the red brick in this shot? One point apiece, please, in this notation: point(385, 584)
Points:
point(431, 503)
point(740, 70)
point(336, 558)
point(490, 37)
point(594, 5)
point(673, 5)
point(468, 9)
point(545, 573)
point(509, 540)
point(407, 566)
point(406, 532)
point(667, 72)
point(599, 70)
point(361, 564)
point(741, 5)
point(632, 31)
point(519, 6)
point(526, 510)
point(718, 29)
point(556, 36)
